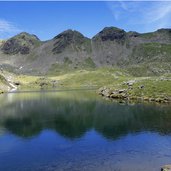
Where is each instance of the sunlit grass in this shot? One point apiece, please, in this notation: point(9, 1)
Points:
point(95, 78)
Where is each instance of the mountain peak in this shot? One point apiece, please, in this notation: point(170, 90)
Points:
point(110, 33)
point(111, 28)
point(69, 34)
point(25, 35)
point(21, 43)
point(67, 38)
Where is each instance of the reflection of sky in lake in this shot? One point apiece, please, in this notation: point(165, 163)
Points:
point(50, 151)
point(79, 131)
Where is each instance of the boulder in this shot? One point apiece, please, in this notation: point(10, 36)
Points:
point(130, 83)
point(43, 84)
point(122, 91)
point(141, 86)
point(17, 83)
point(151, 99)
point(114, 96)
point(159, 100)
point(107, 92)
point(166, 168)
point(101, 90)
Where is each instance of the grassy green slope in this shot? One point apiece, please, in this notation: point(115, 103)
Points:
point(149, 59)
point(151, 52)
point(98, 77)
point(75, 78)
point(111, 78)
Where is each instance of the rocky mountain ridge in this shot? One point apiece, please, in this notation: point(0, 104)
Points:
point(25, 53)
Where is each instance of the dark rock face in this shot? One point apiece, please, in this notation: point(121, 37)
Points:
point(24, 50)
point(109, 46)
point(111, 33)
point(21, 43)
point(13, 47)
point(67, 38)
point(70, 36)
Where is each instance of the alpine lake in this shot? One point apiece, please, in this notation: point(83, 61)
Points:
point(77, 130)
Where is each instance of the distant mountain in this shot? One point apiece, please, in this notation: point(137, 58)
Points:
point(22, 43)
point(112, 46)
point(115, 46)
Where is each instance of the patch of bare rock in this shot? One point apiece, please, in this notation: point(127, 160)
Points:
point(124, 94)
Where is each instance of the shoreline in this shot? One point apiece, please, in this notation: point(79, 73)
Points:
point(123, 94)
point(114, 83)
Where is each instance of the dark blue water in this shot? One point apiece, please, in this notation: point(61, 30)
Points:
point(77, 130)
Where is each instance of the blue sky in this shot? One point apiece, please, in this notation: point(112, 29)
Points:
point(47, 19)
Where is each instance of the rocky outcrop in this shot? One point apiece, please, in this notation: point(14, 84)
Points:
point(20, 44)
point(166, 168)
point(111, 34)
point(114, 46)
point(127, 95)
point(45, 83)
point(68, 38)
point(110, 46)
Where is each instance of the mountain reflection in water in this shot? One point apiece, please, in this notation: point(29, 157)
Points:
point(72, 113)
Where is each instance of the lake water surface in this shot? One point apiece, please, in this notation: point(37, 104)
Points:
point(77, 130)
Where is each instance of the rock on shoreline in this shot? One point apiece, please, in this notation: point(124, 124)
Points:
point(166, 168)
point(125, 95)
point(1, 92)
